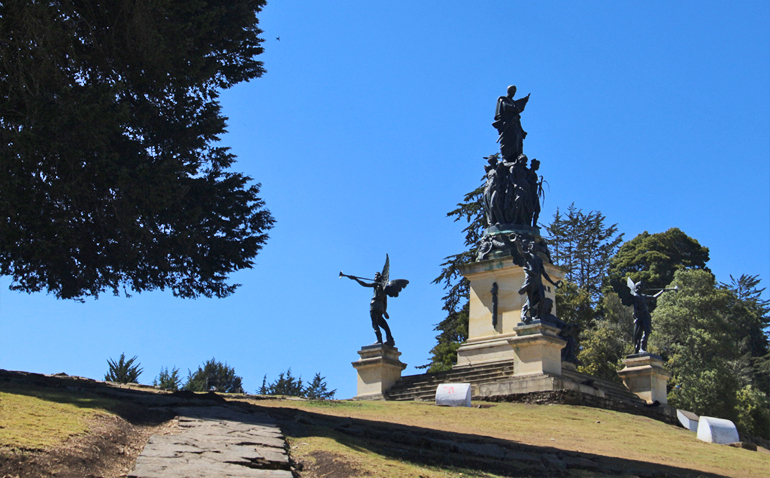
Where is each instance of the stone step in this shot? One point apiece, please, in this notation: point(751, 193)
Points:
point(610, 389)
point(423, 387)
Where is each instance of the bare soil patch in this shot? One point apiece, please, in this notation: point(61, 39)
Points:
point(108, 450)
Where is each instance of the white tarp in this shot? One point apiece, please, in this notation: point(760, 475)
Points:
point(689, 420)
point(454, 394)
point(717, 430)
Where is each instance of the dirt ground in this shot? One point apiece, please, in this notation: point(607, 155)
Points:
point(109, 450)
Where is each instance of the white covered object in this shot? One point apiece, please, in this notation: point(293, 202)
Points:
point(689, 420)
point(454, 394)
point(717, 430)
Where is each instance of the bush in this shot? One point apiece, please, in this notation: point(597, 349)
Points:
point(216, 375)
point(317, 389)
point(288, 385)
point(168, 381)
point(123, 371)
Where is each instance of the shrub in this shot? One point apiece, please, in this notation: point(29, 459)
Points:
point(123, 371)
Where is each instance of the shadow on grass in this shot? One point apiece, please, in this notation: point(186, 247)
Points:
point(476, 454)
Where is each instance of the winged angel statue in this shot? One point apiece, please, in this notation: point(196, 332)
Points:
point(642, 319)
point(378, 307)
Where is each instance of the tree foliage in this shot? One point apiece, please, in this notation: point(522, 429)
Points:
point(287, 384)
point(168, 380)
point(750, 314)
point(122, 370)
point(110, 173)
point(653, 259)
point(697, 333)
point(582, 244)
point(214, 373)
point(318, 389)
point(607, 341)
point(453, 329)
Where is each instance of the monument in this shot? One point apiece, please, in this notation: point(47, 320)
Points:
point(379, 367)
point(512, 281)
point(643, 373)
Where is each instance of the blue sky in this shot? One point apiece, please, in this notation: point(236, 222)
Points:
point(372, 122)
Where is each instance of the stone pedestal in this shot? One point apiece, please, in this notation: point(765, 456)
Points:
point(488, 341)
point(536, 349)
point(378, 370)
point(645, 376)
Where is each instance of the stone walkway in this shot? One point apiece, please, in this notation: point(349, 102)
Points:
point(216, 442)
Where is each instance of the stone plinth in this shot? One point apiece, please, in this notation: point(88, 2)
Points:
point(488, 342)
point(378, 370)
point(536, 349)
point(645, 376)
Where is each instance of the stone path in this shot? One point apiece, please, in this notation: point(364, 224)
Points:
point(216, 442)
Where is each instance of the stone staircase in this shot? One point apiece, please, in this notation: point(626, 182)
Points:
point(612, 390)
point(423, 386)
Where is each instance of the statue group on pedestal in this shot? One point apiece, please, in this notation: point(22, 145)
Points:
point(513, 189)
point(512, 193)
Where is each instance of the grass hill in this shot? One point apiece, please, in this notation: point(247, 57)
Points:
point(70, 427)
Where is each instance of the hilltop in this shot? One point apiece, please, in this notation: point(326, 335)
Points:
point(72, 418)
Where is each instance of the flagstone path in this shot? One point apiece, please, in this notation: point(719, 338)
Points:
point(216, 442)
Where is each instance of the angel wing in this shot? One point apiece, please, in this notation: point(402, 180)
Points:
point(395, 286)
point(631, 285)
point(386, 270)
point(521, 103)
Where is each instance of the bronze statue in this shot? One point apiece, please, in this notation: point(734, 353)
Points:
point(508, 124)
point(378, 307)
point(642, 318)
point(534, 272)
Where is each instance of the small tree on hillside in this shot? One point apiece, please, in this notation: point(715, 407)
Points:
point(168, 380)
point(214, 373)
point(123, 371)
point(317, 389)
point(286, 384)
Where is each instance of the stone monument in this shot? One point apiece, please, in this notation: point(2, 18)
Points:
point(508, 296)
point(379, 367)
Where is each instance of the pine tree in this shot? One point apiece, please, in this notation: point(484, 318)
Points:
point(453, 330)
point(582, 244)
point(111, 175)
point(214, 373)
point(317, 389)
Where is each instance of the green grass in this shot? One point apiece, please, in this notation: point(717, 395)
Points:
point(34, 418)
point(568, 428)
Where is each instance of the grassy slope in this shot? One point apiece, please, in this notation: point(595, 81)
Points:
point(569, 428)
point(34, 418)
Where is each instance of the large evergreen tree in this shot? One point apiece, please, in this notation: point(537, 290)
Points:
point(110, 173)
point(453, 330)
point(653, 259)
point(582, 244)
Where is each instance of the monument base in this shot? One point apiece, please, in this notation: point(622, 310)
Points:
point(536, 349)
point(645, 376)
point(378, 370)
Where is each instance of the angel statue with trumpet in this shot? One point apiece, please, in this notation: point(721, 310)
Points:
point(378, 307)
point(642, 319)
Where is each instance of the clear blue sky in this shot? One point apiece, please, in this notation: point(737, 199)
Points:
point(372, 122)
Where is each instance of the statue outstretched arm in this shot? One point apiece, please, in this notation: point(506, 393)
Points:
point(360, 282)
